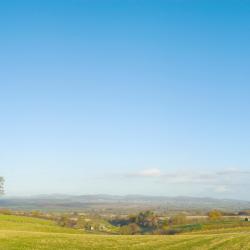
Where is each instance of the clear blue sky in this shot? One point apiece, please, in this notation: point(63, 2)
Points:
point(125, 97)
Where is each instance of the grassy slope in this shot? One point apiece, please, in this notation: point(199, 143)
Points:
point(20, 233)
point(21, 223)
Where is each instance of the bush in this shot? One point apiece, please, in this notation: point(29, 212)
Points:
point(130, 229)
point(173, 231)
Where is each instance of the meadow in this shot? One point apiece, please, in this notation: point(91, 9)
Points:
point(23, 233)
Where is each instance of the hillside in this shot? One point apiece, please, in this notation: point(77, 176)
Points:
point(24, 233)
point(27, 224)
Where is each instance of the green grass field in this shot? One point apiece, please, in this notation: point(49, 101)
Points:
point(21, 233)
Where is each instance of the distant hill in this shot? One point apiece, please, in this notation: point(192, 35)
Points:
point(120, 203)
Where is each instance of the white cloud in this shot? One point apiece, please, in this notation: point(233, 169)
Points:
point(216, 178)
point(221, 189)
point(152, 172)
point(226, 183)
point(233, 171)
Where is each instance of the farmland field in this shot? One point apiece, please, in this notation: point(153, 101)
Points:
point(21, 233)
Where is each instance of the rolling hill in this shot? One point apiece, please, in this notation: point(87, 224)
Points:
point(22, 233)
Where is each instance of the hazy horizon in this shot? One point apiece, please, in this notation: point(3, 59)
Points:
point(59, 195)
point(125, 97)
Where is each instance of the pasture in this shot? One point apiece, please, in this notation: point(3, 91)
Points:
point(22, 233)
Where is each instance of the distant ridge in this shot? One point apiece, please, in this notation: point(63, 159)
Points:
point(86, 202)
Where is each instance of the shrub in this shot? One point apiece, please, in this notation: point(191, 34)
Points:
point(130, 229)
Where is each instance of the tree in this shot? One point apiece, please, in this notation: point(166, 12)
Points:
point(214, 215)
point(130, 229)
point(178, 219)
point(1, 185)
point(63, 220)
point(147, 219)
point(164, 224)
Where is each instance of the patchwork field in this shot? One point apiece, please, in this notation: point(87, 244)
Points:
point(21, 233)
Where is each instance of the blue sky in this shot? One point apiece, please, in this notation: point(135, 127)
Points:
point(125, 97)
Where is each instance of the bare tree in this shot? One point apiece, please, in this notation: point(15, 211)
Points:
point(1, 185)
